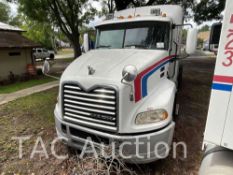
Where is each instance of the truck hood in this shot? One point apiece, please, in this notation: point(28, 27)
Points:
point(109, 63)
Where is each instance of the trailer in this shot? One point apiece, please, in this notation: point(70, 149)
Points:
point(218, 136)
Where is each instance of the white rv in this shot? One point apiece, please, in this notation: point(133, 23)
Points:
point(125, 88)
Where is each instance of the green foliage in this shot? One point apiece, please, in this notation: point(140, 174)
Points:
point(108, 6)
point(205, 28)
point(200, 42)
point(89, 30)
point(16, 21)
point(203, 11)
point(37, 10)
point(23, 85)
point(184, 35)
point(208, 10)
point(4, 12)
point(122, 4)
point(38, 32)
point(68, 15)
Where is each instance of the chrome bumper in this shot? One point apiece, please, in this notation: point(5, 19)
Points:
point(76, 135)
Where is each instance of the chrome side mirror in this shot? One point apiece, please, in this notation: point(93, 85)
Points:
point(129, 73)
point(191, 43)
point(46, 67)
point(86, 42)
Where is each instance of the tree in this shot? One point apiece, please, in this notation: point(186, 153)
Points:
point(68, 15)
point(16, 20)
point(203, 11)
point(4, 12)
point(205, 28)
point(123, 4)
point(108, 6)
point(38, 32)
point(208, 10)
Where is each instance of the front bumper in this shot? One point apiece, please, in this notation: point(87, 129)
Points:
point(136, 148)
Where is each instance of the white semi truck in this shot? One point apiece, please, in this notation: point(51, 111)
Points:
point(218, 137)
point(125, 88)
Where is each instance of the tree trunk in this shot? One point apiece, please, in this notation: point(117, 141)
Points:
point(77, 49)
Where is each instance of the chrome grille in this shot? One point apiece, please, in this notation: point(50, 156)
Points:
point(96, 108)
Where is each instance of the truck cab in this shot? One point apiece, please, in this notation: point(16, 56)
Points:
point(124, 90)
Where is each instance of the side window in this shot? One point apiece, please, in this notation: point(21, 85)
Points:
point(160, 37)
point(39, 50)
point(44, 50)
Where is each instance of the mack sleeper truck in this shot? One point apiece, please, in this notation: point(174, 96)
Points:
point(124, 90)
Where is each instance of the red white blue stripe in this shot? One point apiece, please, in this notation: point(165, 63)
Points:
point(140, 83)
point(222, 83)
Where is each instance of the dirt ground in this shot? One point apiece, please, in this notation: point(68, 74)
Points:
point(33, 116)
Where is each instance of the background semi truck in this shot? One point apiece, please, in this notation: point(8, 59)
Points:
point(218, 137)
point(125, 88)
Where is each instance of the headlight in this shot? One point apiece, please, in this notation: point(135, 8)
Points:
point(152, 116)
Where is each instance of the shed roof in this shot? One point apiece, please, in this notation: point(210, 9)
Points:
point(7, 27)
point(15, 40)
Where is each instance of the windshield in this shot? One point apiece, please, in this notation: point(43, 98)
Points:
point(144, 35)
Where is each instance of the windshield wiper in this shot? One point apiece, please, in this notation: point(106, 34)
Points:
point(136, 45)
point(103, 46)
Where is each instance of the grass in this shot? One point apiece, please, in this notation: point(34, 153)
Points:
point(32, 116)
point(23, 85)
point(28, 116)
point(65, 60)
point(65, 51)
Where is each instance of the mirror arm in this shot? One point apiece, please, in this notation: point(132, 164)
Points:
point(181, 25)
point(174, 60)
point(131, 95)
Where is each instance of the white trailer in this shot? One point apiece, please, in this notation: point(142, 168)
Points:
point(218, 137)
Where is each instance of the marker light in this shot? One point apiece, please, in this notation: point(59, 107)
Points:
point(164, 15)
point(153, 116)
point(130, 16)
point(121, 17)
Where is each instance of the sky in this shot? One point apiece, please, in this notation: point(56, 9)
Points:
point(13, 9)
